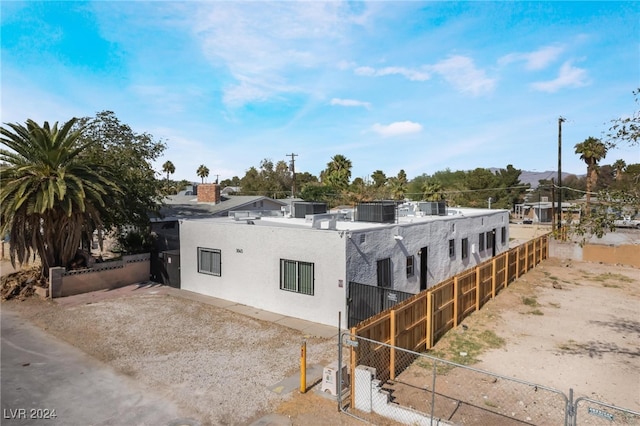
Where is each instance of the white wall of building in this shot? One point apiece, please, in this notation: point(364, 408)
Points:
point(250, 270)
point(404, 239)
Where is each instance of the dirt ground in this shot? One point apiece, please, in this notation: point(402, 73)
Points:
point(564, 324)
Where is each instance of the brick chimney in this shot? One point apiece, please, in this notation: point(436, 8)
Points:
point(209, 193)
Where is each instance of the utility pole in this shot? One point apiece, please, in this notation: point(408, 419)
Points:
point(217, 176)
point(559, 209)
point(293, 173)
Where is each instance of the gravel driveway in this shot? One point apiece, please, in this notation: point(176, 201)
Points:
point(215, 364)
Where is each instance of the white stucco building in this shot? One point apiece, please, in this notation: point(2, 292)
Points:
point(302, 267)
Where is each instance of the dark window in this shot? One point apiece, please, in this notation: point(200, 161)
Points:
point(490, 238)
point(296, 276)
point(481, 242)
point(410, 268)
point(209, 261)
point(362, 238)
point(503, 234)
point(465, 248)
point(452, 248)
point(384, 272)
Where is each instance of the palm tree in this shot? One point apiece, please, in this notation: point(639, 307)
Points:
point(52, 197)
point(338, 172)
point(432, 191)
point(591, 151)
point(398, 185)
point(168, 168)
point(619, 166)
point(203, 172)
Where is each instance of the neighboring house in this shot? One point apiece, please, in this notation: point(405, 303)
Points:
point(305, 267)
point(544, 211)
point(230, 190)
point(201, 201)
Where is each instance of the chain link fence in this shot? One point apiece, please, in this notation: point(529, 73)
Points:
point(389, 384)
point(591, 412)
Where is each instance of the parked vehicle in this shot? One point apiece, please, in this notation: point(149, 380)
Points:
point(628, 222)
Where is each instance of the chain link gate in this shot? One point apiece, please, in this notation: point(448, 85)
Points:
point(387, 382)
point(587, 411)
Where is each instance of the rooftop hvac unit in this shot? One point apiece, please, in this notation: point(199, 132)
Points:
point(376, 211)
point(301, 209)
point(433, 208)
point(331, 376)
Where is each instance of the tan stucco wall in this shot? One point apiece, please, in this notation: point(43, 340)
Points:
point(619, 255)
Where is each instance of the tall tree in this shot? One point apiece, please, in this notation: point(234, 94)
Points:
point(270, 180)
point(130, 155)
point(432, 191)
point(398, 185)
point(203, 172)
point(591, 151)
point(379, 178)
point(168, 168)
point(619, 166)
point(52, 197)
point(338, 172)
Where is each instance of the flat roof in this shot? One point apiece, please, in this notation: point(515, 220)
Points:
point(345, 225)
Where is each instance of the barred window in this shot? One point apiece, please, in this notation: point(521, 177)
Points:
point(296, 276)
point(504, 235)
point(465, 248)
point(452, 248)
point(480, 242)
point(410, 269)
point(209, 261)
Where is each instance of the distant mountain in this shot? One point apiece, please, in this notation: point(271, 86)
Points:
point(533, 178)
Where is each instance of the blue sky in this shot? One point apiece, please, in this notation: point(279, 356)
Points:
point(419, 86)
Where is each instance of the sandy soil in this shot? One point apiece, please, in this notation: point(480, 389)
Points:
point(563, 325)
point(587, 338)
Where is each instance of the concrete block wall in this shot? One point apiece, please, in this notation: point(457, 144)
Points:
point(102, 276)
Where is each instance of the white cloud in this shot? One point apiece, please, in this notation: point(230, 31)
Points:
point(462, 74)
point(535, 60)
point(408, 73)
point(350, 103)
point(263, 45)
point(396, 129)
point(569, 76)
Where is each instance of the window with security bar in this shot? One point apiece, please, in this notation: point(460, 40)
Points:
point(410, 268)
point(465, 248)
point(209, 261)
point(297, 276)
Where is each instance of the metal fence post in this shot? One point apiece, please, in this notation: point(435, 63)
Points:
point(433, 391)
point(570, 415)
point(340, 378)
point(392, 334)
